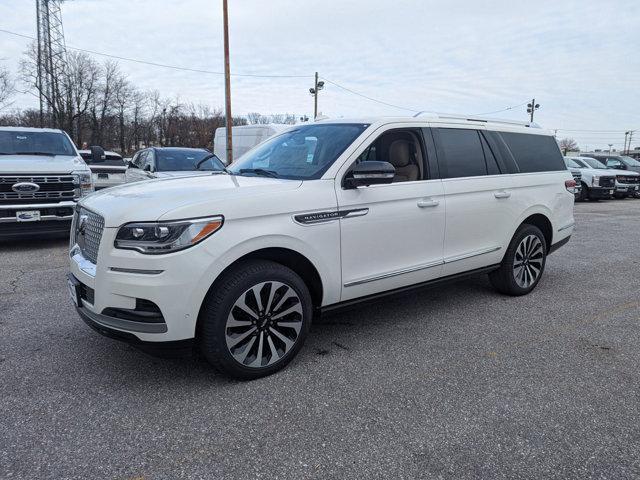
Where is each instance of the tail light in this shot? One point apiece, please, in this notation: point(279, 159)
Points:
point(570, 185)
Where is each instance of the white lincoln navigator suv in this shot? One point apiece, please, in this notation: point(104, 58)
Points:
point(320, 216)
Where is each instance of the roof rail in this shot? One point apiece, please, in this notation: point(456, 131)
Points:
point(475, 118)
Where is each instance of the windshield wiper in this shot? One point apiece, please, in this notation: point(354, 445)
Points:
point(260, 171)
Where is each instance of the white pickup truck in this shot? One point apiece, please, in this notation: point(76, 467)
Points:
point(42, 176)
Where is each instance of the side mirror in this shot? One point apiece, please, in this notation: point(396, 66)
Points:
point(97, 154)
point(147, 168)
point(370, 173)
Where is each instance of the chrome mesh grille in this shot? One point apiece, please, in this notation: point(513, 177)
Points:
point(87, 233)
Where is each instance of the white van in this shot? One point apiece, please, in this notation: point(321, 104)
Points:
point(317, 218)
point(245, 137)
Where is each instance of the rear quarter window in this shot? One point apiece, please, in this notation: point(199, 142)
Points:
point(534, 153)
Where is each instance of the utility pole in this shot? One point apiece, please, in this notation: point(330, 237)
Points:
point(39, 79)
point(532, 107)
point(227, 83)
point(610, 146)
point(626, 134)
point(630, 137)
point(318, 85)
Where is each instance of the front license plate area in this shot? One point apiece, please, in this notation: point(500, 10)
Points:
point(28, 216)
point(74, 289)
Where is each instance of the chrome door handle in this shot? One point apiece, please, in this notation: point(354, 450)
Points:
point(502, 194)
point(428, 202)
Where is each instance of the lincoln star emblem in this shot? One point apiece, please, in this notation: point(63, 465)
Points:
point(25, 187)
point(82, 223)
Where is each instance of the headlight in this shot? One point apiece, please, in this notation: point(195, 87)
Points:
point(156, 238)
point(83, 182)
point(595, 180)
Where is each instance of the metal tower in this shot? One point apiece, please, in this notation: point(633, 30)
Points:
point(52, 55)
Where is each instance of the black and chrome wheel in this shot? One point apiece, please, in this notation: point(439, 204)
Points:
point(528, 261)
point(523, 262)
point(255, 319)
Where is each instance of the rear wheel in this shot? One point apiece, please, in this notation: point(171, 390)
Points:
point(256, 320)
point(523, 262)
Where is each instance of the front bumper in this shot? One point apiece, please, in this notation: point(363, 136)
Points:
point(122, 280)
point(55, 218)
point(626, 188)
point(601, 192)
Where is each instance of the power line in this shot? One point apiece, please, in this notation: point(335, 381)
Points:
point(503, 110)
point(163, 65)
point(368, 97)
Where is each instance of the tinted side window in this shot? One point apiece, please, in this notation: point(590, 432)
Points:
point(534, 153)
point(463, 154)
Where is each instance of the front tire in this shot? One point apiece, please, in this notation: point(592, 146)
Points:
point(584, 193)
point(523, 262)
point(255, 319)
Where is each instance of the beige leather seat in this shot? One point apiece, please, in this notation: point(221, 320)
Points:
point(400, 158)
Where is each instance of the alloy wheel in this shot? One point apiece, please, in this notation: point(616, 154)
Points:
point(264, 324)
point(528, 262)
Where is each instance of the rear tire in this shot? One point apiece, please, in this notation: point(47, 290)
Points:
point(255, 319)
point(584, 193)
point(523, 263)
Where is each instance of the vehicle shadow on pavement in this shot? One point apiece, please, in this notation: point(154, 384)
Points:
point(26, 244)
point(333, 336)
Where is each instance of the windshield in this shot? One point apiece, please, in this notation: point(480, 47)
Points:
point(593, 163)
point(303, 153)
point(186, 160)
point(35, 143)
point(630, 161)
point(571, 163)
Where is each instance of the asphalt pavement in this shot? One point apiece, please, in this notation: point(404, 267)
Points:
point(454, 382)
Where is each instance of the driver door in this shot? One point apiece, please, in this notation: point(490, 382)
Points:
point(392, 234)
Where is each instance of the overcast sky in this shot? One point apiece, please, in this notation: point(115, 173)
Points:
point(579, 58)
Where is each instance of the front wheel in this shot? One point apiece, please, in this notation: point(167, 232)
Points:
point(255, 319)
point(523, 262)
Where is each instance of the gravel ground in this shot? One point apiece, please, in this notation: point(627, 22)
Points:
point(452, 382)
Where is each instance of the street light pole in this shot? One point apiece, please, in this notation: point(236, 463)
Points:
point(532, 107)
point(227, 83)
point(317, 86)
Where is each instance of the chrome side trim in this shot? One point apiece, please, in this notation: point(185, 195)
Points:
point(567, 226)
point(135, 270)
point(464, 256)
point(394, 273)
point(328, 216)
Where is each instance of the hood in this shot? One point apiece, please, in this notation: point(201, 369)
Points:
point(600, 172)
point(629, 173)
point(184, 197)
point(40, 164)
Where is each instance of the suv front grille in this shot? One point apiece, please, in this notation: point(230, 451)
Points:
point(577, 176)
point(87, 233)
point(607, 181)
point(628, 179)
point(51, 189)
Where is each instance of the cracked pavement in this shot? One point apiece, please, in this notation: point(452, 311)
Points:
point(454, 382)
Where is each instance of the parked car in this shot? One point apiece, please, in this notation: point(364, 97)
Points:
point(108, 173)
point(245, 137)
point(42, 176)
point(166, 162)
point(317, 218)
point(619, 162)
point(597, 183)
point(574, 168)
point(626, 182)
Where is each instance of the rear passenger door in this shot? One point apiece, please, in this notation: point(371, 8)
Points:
point(478, 213)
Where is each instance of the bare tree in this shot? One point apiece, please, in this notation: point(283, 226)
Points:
point(7, 88)
point(568, 145)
